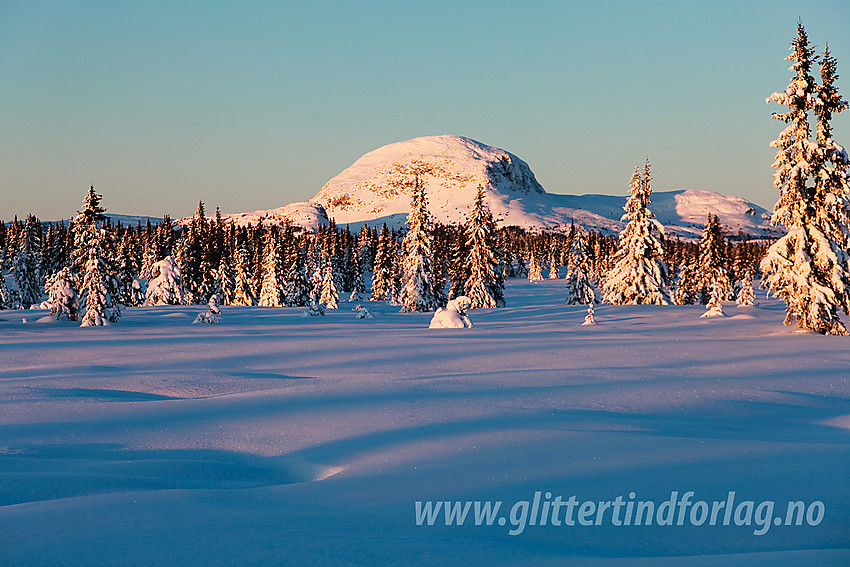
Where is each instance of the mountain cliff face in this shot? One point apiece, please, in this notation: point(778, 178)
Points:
point(376, 189)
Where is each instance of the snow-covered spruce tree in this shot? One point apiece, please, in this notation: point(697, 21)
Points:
point(359, 288)
point(712, 272)
point(521, 270)
point(224, 280)
point(296, 289)
point(166, 286)
point(534, 270)
point(148, 257)
point(62, 295)
point(687, 290)
point(5, 296)
point(417, 286)
point(639, 274)
point(27, 266)
point(182, 262)
point(553, 266)
point(330, 293)
point(808, 266)
point(580, 288)
point(485, 284)
point(271, 291)
point(382, 274)
point(126, 276)
point(95, 295)
point(92, 259)
point(746, 294)
point(457, 265)
point(243, 293)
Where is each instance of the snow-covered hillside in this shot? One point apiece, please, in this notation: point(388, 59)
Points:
point(271, 439)
point(376, 189)
point(305, 214)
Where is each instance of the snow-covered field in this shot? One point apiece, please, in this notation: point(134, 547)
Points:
point(272, 439)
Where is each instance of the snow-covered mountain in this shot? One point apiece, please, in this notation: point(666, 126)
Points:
point(376, 189)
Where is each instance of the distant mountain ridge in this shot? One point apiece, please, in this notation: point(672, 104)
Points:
point(376, 189)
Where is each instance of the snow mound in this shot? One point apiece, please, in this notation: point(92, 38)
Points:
point(453, 316)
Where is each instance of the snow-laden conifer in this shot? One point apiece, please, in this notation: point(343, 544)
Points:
point(746, 294)
point(808, 266)
point(93, 262)
point(330, 293)
point(166, 286)
point(553, 266)
point(485, 284)
point(296, 288)
point(639, 274)
point(687, 290)
point(521, 269)
point(243, 293)
point(5, 296)
point(382, 275)
point(417, 284)
point(62, 295)
point(27, 266)
point(271, 291)
point(713, 273)
point(580, 288)
point(534, 270)
point(224, 280)
point(95, 295)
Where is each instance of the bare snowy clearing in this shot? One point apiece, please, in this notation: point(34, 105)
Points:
point(275, 439)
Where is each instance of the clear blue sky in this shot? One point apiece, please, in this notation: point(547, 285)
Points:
point(253, 105)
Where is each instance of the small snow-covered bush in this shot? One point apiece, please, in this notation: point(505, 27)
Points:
point(363, 312)
point(213, 314)
point(315, 310)
point(453, 316)
point(589, 319)
point(714, 310)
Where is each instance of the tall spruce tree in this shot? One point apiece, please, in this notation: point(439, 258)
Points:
point(687, 288)
point(485, 284)
point(243, 293)
point(534, 270)
point(382, 275)
point(639, 274)
point(297, 289)
point(92, 259)
point(330, 293)
point(27, 267)
point(808, 266)
point(580, 288)
point(417, 291)
point(713, 277)
point(271, 291)
point(225, 280)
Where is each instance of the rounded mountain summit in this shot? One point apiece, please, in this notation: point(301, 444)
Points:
point(377, 188)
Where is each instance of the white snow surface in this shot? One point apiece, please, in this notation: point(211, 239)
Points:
point(271, 439)
point(304, 214)
point(376, 189)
